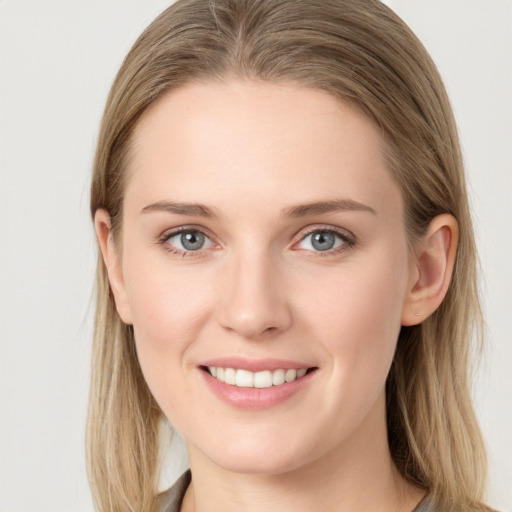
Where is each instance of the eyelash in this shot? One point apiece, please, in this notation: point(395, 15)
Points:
point(164, 239)
point(348, 241)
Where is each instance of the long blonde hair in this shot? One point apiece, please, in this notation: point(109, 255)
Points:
point(360, 52)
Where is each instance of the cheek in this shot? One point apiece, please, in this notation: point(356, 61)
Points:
point(168, 316)
point(358, 318)
point(169, 309)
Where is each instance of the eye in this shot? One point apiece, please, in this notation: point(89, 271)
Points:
point(322, 240)
point(188, 240)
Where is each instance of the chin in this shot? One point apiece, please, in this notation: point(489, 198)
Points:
point(261, 458)
point(263, 464)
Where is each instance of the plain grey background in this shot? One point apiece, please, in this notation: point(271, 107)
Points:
point(58, 59)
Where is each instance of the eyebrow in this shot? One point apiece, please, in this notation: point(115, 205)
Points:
point(320, 207)
point(191, 209)
point(301, 210)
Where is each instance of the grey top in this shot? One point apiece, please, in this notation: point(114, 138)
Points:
point(171, 499)
point(425, 505)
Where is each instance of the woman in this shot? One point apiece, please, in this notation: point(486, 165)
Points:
point(287, 267)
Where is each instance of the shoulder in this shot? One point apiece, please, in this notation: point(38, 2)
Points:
point(170, 500)
point(428, 505)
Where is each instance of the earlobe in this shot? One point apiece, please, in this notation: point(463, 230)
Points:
point(112, 263)
point(433, 267)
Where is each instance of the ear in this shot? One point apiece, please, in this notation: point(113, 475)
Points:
point(112, 260)
point(433, 264)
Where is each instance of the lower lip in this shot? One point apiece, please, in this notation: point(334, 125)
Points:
point(255, 398)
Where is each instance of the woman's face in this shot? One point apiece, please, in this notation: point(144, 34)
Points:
point(263, 233)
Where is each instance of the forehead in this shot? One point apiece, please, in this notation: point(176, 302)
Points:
point(231, 139)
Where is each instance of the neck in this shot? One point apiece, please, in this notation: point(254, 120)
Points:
point(356, 476)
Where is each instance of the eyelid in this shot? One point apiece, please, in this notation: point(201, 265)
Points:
point(349, 239)
point(164, 238)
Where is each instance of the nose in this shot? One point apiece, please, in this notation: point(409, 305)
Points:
point(254, 298)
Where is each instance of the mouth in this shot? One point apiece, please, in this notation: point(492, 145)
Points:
point(242, 378)
point(256, 384)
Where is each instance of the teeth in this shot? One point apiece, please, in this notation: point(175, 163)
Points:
point(278, 377)
point(290, 375)
point(244, 379)
point(247, 379)
point(230, 376)
point(263, 379)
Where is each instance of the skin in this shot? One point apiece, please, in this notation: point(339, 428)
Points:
point(258, 289)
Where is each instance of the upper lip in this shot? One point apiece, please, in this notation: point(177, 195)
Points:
point(255, 365)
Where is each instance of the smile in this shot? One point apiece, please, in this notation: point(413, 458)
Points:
point(256, 384)
point(262, 379)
